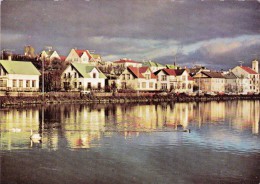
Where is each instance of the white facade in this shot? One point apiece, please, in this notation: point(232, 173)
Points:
point(175, 83)
point(146, 81)
point(54, 55)
point(18, 82)
point(71, 79)
point(246, 73)
point(78, 56)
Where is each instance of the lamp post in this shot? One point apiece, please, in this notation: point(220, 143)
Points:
point(43, 78)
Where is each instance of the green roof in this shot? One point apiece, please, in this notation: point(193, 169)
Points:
point(84, 70)
point(152, 63)
point(172, 66)
point(95, 56)
point(19, 67)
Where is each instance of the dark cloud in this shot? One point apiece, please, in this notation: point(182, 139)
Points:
point(113, 27)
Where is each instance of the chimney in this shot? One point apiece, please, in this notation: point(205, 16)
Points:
point(255, 66)
point(10, 58)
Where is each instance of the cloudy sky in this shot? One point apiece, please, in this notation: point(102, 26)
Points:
point(213, 33)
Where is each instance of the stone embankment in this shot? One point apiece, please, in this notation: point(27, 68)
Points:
point(115, 98)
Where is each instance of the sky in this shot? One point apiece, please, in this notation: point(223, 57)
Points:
point(214, 33)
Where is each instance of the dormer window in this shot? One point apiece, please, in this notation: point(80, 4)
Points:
point(94, 75)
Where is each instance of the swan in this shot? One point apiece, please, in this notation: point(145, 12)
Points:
point(36, 138)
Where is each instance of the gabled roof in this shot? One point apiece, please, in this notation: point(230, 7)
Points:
point(95, 56)
point(48, 52)
point(248, 70)
point(213, 74)
point(126, 61)
point(230, 75)
point(171, 66)
point(170, 72)
point(81, 52)
point(138, 71)
point(174, 72)
point(19, 67)
point(84, 70)
point(152, 64)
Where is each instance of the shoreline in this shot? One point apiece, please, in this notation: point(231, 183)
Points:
point(7, 101)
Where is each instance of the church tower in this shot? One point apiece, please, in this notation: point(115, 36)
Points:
point(255, 66)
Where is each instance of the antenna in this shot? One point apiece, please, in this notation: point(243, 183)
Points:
point(240, 62)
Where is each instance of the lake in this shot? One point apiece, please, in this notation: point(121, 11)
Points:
point(132, 143)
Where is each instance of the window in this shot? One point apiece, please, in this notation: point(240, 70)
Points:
point(3, 83)
point(123, 76)
point(183, 85)
point(123, 85)
point(164, 78)
point(75, 84)
point(69, 75)
point(89, 85)
point(151, 85)
point(189, 86)
point(65, 75)
point(143, 84)
point(147, 76)
point(20, 83)
point(14, 83)
point(75, 75)
point(164, 86)
point(183, 78)
point(128, 76)
point(94, 75)
point(80, 83)
point(99, 85)
point(27, 83)
point(34, 83)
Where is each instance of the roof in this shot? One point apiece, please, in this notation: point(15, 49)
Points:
point(230, 75)
point(62, 58)
point(174, 72)
point(171, 66)
point(152, 64)
point(138, 71)
point(213, 74)
point(84, 70)
point(170, 71)
point(81, 52)
point(95, 56)
point(126, 61)
point(19, 67)
point(248, 70)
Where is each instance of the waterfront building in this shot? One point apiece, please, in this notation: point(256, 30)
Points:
point(210, 82)
point(49, 55)
point(141, 79)
point(18, 76)
point(236, 84)
point(250, 73)
point(82, 76)
point(174, 80)
point(154, 66)
point(83, 56)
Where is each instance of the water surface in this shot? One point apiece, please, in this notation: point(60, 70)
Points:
point(132, 143)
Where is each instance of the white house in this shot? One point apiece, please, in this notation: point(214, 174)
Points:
point(175, 80)
point(18, 76)
point(141, 79)
point(236, 84)
point(81, 76)
point(49, 55)
point(78, 56)
point(210, 81)
point(252, 75)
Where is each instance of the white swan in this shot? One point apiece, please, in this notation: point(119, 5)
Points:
point(36, 138)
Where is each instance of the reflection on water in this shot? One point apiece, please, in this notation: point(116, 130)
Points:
point(83, 126)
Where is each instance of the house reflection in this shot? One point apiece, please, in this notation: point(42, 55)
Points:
point(82, 126)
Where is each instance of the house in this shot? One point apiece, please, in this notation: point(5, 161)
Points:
point(252, 75)
point(82, 76)
point(210, 81)
point(175, 80)
point(18, 76)
point(124, 63)
point(235, 84)
point(154, 66)
point(78, 56)
point(49, 55)
point(137, 78)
